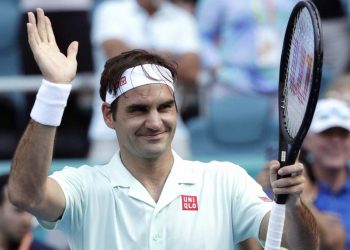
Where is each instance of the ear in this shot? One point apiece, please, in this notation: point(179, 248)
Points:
point(107, 115)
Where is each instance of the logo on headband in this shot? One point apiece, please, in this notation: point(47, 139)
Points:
point(122, 81)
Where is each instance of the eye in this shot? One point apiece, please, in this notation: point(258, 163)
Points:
point(166, 106)
point(137, 109)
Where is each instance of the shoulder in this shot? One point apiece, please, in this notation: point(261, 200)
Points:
point(216, 169)
point(116, 7)
point(81, 174)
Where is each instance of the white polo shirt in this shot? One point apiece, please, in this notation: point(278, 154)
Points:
point(202, 206)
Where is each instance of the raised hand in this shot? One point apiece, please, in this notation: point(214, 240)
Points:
point(55, 66)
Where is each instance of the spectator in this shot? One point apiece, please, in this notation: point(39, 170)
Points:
point(325, 155)
point(340, 89)
point(242, 44)
point(336, 38)
point(328, 146)
point(159, 26)
point(16, 224)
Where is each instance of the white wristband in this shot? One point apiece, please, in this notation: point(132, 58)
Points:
point(50, 102)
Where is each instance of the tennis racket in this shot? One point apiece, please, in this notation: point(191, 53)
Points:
point(299, 84)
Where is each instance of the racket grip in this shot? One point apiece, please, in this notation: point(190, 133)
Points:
point(275, 228)
point(281, 199)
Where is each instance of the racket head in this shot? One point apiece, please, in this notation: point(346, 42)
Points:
point(300, 74)
point(299, 81)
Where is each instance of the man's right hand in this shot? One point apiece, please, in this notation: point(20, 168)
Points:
point(55, 66)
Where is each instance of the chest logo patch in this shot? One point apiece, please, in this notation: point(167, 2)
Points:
point(189, 202)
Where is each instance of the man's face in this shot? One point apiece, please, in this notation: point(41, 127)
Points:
point(14, 222)
point(330, 148)
point(145, 120)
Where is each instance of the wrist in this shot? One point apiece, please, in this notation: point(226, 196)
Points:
point(50, 102)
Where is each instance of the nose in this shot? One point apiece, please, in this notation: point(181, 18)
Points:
point(153, 121)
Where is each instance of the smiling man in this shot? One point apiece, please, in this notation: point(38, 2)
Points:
point(146, 197)
point(328, 146)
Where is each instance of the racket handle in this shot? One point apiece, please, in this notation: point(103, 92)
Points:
point(275, 228)
point(281, 199)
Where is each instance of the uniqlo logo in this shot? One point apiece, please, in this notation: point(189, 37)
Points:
point(189, 202)
point(122, 81)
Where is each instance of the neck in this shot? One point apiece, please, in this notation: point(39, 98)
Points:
point(151, 173)
point(336, 178)
point(147, 6)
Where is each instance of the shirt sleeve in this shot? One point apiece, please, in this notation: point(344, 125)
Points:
point(251, 204)
point(107, 23)
point(72, 184)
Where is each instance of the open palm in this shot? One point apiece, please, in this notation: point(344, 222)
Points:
point(54, 65)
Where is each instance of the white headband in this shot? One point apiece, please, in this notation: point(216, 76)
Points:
point(141, 75)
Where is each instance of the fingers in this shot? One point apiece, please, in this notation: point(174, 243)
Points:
point(72, 50)
point(41, 25)
point(40, 30)
point(292, 181)
point(50, 35)
point(289, 185)
point(33, 36)
point(296, 169)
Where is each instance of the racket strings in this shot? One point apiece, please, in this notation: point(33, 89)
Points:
point(298, 77)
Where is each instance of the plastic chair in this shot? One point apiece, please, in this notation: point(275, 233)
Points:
point(237, 129)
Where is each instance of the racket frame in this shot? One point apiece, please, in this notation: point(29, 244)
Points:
point(289, 147)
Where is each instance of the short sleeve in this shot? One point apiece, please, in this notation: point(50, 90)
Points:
point(71, 181)
point(251, 204)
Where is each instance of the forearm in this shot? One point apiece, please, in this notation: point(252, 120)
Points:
point(30, 164)
point(300, 228)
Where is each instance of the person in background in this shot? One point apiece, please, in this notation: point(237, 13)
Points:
point(335, 38)
point(241, 45)
point(325, 154)
point(340, 89)
point(158, 26)
point(16, 224)
point(146, 197)
point(327, 147)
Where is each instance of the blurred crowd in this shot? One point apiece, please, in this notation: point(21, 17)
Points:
point(228, 55)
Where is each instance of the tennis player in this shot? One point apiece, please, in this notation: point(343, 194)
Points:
point(146, 197)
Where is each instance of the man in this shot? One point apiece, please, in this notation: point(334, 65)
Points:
point(146, 197)
point(328, 146)
point(15, 224)
point(155, 25)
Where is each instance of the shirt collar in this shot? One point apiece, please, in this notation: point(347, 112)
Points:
point(119, 176)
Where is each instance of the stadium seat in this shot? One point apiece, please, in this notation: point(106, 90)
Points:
point(9, 27)
point(237, 129)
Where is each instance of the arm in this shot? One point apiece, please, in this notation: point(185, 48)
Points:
point(300, 229)
point(29, 186)
point(332, 232)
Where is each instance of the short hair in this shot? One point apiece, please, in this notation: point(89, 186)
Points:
point(3, 183)
point(116, 66)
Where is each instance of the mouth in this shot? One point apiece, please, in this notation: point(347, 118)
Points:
point(154, 136)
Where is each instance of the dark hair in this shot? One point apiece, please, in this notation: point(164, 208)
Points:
point(3, 182)
point(116, 66)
